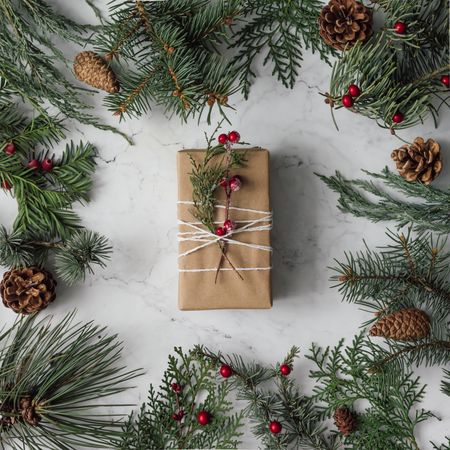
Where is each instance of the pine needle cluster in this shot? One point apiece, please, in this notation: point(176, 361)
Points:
point(411, 272)
point(188, 56)
point(46, 222)
point(427, 212)
point(169, 418)
point(52, 376)
point(29, 60)
point(399, 73)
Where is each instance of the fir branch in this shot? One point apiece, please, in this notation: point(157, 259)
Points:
point(51, 377)
point(431, 214)
point(446, 383)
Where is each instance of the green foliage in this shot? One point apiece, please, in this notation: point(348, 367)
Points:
point(344, 379)
point(63, 369)
point(154, 427)
point(399, 72)
point(446, 383)
point(408, 273)
point(429, 211)
point(29, 60)
point(171, 52)
point(301, 421)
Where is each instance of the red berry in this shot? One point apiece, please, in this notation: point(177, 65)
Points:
point(347, 101)
point(234, 136)
point(224, 182)
point(400, 27)
point(47, 165)
point(176, 387)
point(203, 418)
point(221, 231)
point(445, 79)
point(6, 185)
point(235, 184)
point(285, 369)
point(10, 149)
point(176, 417)
point(33, 164)
point(226, 371)
point(275, 427)
point(398, 117)
point(229, 225)
point(223, 139)
point(354, 90)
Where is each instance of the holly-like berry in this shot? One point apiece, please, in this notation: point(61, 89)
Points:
point(176, 416)
point(235, 184)
point(221, 231)
point(234, 136)
point(47, 165)
point(10, 149)
point(203, 418)
point(224, 182)
point(33, 164)
point(347, 100)
point(229, 225)
point(226, 371)
point(400, 27)
point(398, 117)
point(223, 139)
point(6, 185)
point(285, 369)
point(176, 387)
point(445, 80)
point(354, 90)
point(275, 427)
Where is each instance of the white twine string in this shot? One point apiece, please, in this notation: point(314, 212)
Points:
point(207, 238)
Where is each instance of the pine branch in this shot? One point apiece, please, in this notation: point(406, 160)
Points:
point(446, 383)
point(430, 214)
point(51, 377)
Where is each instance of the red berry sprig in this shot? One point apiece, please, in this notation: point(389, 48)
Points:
point(221, 231)
point(445, 80)
point(226, 371)
point(47, 165)
point(178, 416)
point(275, 427)
point(10, 149)
point(347, 100)
point(285, 369)
point(203, 418)
point(398, 117)
point(6, 185)
point(33, 164)
point(354, 90)
point(400, 27)
point(234, 137)
point(223, 139)
point(176, 387)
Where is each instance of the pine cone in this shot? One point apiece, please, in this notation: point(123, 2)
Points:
point(345, 421)
point(342, 23)
point(420, 161)
point(404, 325)
point(93, 70)
point(27, 290)
point(28, 411)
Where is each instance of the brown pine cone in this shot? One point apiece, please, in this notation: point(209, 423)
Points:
point(27, 290)
point(28, 411)
point(404, 325)
point(343, 23)
point(420, 161)
point(345, 421)
point(93, 70)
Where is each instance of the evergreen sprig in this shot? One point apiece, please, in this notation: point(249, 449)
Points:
point(301, 420)
point(174, 54)
point(154, 427)
point(398, 72)
point(411, 272)
point(343, 379)
point(52, 376)
point(29, 60)
point(428, 212)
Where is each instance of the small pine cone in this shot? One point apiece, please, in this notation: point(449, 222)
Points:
point(343, 23)
point(404, 325)
point(345, 421)
point(28, 411)
point(420, 161)
point(93, 70)
point(27, 290)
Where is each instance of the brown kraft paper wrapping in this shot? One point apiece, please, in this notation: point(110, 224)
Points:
point(197, 290)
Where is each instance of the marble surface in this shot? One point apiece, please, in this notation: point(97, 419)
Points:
point(134, 204)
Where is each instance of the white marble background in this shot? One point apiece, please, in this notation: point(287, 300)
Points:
point(134, 204)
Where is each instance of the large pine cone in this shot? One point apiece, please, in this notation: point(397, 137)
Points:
point(342, 23)
point(420, 161)
point(345, 421)
point(27, 290)
point(93, 70)
point(404, 325)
